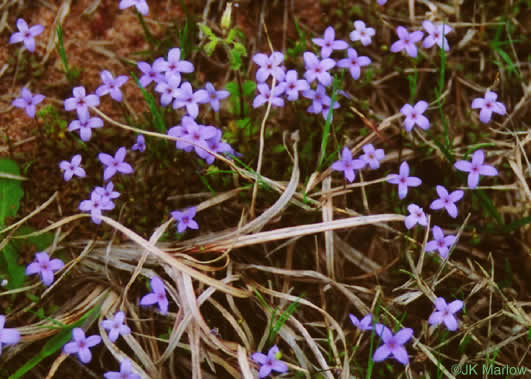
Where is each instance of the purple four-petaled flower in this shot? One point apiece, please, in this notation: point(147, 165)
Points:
point(149, 74)
point(445, 313)
point(26, 34)
point(364, 324)
point(45, 267)
point(404, 180)
point(185, 219)
point(476, 168)
point(488, 104)
point(265, 94)
point(347, 164)
point(174, 66)
point(217, 145)
point(126, 372)
point(115, 326)
point(140, 144)
point(319, 97)
point(141, 5)
point(107, 193)
point(440, 242)
point(111, 85)
point(157, 296)
point(329, 43)
point(168, 87)
point(269, 362)
point(318, 69)
point(214, 96)
point(269, 65)
point(115, 164)
point(81, 345)
point(354, 63)
point(392, 344)
point(193, 136)
point(186, 97)
point(72, 168)
point(8, 336)
point(406, 41)
point(416, 216)
point(372, 156)
point(326, 109)
point(293, 85)
point(414, 115)
point(447, 200)
point(85, 124)
point(28, 101)
point(362, 33)
point(436, 35)
point(81, 101)
point(95, 205)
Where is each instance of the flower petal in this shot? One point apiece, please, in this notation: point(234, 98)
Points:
point(403, 335)
point(381, 353)
point(487, 170)
point(451, 322)
point(400, 355)
point(455, 306)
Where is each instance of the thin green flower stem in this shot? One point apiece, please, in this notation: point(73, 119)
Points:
point(261, 148)
point(262, 135)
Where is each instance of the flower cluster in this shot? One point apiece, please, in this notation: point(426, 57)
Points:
point(202, 139)
point(447, 200)
point(371, 157)
point(317, 77)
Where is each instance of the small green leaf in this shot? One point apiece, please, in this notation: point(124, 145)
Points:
point(207, 31)
point(232, 87)
point(248, 87)
point(10, 191)
point(235, 60)
point(155, 113)
point(282, 319)
point(243, 123)
point(40, 242)
point(210, 47)
point(15, 272)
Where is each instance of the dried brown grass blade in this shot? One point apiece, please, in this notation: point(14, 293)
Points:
point(172, 262)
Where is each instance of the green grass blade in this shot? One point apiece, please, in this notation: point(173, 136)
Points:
point(160, 125)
